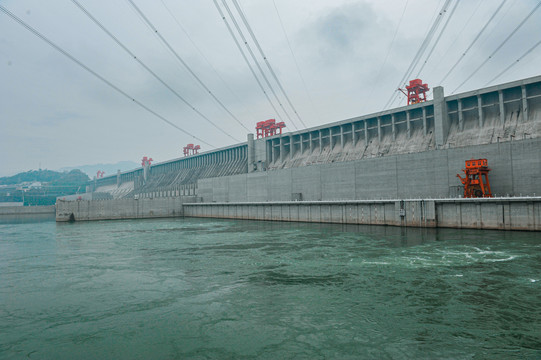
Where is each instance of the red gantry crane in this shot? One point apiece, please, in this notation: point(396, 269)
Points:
point(269, 128)
point(415, 91)
point(191, 149)
point(146, 161)
point(476, 184)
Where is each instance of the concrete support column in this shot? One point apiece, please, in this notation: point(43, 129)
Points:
point(425, 130)
point(353, 135)
point(118, 178)
point(441, 118)
point(480, 110)
point(251, 153)
point(282, 149)
point(320, 142)
point(291, 147)
point(502, 107)
point(331, 141)
point(310, 141)
point(342, 136)
point(524, 104)
point(146, 172)
point(273, 151)
point(393, 127)
point(365, 133)
point(301, 144)
point(379, 129)
point(460, 115)
point(408, 124)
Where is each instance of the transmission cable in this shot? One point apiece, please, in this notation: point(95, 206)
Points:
point(499, 46)
point(119, 43)
point(474, 41)
point(243, 38)
point(458, 35)
point(114, 87)
point(392, 41)
point(200, 51)
point(250, 31)
point(438, 38)
point(420, 52)
point(179, 58)
point(515, 62)
point(294, 57)
point(246, 59)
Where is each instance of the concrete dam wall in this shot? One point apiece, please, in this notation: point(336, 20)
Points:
point(411, 152)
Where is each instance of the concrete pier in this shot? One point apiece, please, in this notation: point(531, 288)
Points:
point(87, 210)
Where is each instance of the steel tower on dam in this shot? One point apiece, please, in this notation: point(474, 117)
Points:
point(413, 151)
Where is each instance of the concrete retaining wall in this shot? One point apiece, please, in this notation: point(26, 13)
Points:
point(496, 213)
point(26, 210)
point(84, 210)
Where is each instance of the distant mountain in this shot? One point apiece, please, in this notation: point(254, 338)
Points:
point(110, 169)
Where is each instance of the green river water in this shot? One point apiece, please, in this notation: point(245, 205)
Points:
point(223, 289)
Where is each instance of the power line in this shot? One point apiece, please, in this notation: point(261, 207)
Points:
point(392, 41)
point(294, 57)
point(250, 31)
point(200, 51)
point(245, 58)
point(421, 50)
point(114, 87)
point(177, 56)
point(243, 38)
point(458, 35)
point(515, 62)
point(119, 43)
point(438, 38)
point(474, 41)
point(499, 46)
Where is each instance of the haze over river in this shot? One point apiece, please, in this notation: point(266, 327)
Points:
point(222, 289)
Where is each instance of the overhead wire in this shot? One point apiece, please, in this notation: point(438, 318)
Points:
point(186, 66)
point(129, 52)
point(222, 15)
point(458, 35)
point(392, 42)
point(474, 40)
point(199, 50)
point(442, 31)
point(514, 62)
point(420, 51)
point(499, 47)
point(271, 70)
point(95, 74)
point(294, 57)
point(243, 38)
point(252, 55)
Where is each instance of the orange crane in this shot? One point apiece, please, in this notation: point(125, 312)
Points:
point(476, 184)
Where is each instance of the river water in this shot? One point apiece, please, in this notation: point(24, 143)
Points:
point(222, 289)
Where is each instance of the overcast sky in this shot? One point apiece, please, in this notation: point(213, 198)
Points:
point(56, 114)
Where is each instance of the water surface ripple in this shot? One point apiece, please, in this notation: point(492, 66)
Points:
point(220, 289)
